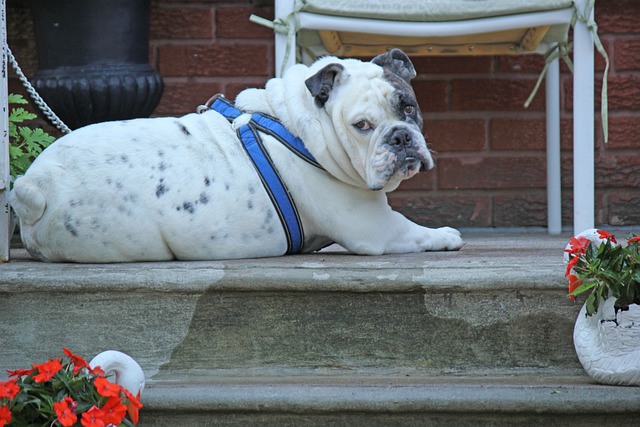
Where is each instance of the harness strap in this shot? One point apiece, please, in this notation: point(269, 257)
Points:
point(272, 126)
point(267, 124)
point(225, 107)
point(276, 189)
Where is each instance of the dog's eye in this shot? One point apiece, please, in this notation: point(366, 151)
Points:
point(363, 125)
point(409, 109)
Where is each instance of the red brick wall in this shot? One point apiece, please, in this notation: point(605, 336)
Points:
point(205, 47)
point(490, 149)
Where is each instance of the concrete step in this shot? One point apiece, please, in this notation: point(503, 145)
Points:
point(530, 400)
point(498, 304)
point(479, 336)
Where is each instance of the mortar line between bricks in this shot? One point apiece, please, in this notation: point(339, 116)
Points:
point(482, 115)
point(490, 154)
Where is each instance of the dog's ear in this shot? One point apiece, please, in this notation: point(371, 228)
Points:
point(397, 62)
point(322, 82)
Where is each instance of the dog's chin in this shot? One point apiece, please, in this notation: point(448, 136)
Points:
point(411, 167)
point(386, 181)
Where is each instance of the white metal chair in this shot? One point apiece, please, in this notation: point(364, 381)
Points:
point(462, 27)
point(5, 214)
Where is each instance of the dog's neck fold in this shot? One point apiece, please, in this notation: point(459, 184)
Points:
point(275, 100)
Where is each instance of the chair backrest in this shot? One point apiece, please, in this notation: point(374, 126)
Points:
point(428, 27)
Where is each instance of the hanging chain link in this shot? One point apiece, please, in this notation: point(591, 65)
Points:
point(46, 110)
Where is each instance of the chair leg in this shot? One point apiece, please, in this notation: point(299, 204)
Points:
point(554, 181)
point(5, 213)
point(282, 9)
point(583, 127)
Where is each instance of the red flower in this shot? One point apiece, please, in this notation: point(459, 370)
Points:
point(78, 362)
point(134, 405)
point(5, 416)
point(578, 245)
point(19, 372)
point(633, 240)
point(105, 388)
point(606, 235)
point(9, 389)
point(47, 370)
point(114, 411)
point(94, 417)
point(571, 264)
point(65, 410)
point(574, 283)
point(97, 371)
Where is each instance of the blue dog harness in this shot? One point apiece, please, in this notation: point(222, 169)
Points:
point(254, 147)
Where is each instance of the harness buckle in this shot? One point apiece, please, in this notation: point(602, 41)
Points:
point(207, 105)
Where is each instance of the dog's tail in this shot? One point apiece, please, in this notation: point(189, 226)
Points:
point(27, 200)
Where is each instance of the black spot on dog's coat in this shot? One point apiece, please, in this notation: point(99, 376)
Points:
point(69, 226)
point(184, 129)
point(161, 189)
point(188, 206)
point(130, 198)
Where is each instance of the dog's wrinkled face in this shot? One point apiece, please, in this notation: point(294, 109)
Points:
point(376, 117)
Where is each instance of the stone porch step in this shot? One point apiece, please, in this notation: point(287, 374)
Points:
point(498, 304)
point(506, 400)
point(328, 338)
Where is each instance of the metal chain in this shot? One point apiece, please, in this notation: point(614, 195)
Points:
point(46, 110)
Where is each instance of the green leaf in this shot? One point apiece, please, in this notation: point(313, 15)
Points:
point(13, 131)
point(14, 152)
point(25, 143)
point(19, 115)
point(16, 98)
point(591, 304)
point(35, 137)
point(585, 286)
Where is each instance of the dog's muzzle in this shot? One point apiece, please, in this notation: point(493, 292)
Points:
point(407, 149)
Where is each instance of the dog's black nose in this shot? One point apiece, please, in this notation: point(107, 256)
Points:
point(400, 138)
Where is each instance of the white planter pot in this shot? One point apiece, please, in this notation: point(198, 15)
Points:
point(608, 343)
point(127, 372)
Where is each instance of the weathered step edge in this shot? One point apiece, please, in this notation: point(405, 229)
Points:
point(576, 396)
point(322, 272)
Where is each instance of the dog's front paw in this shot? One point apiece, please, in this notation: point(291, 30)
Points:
point(446, 239)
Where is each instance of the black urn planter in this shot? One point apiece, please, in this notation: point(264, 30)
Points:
point(93, 58)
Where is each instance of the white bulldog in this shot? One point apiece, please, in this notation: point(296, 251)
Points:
point(184, 188)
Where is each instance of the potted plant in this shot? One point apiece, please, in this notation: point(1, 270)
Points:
point(93, 59)
point(607, 331)
point(75, 393)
